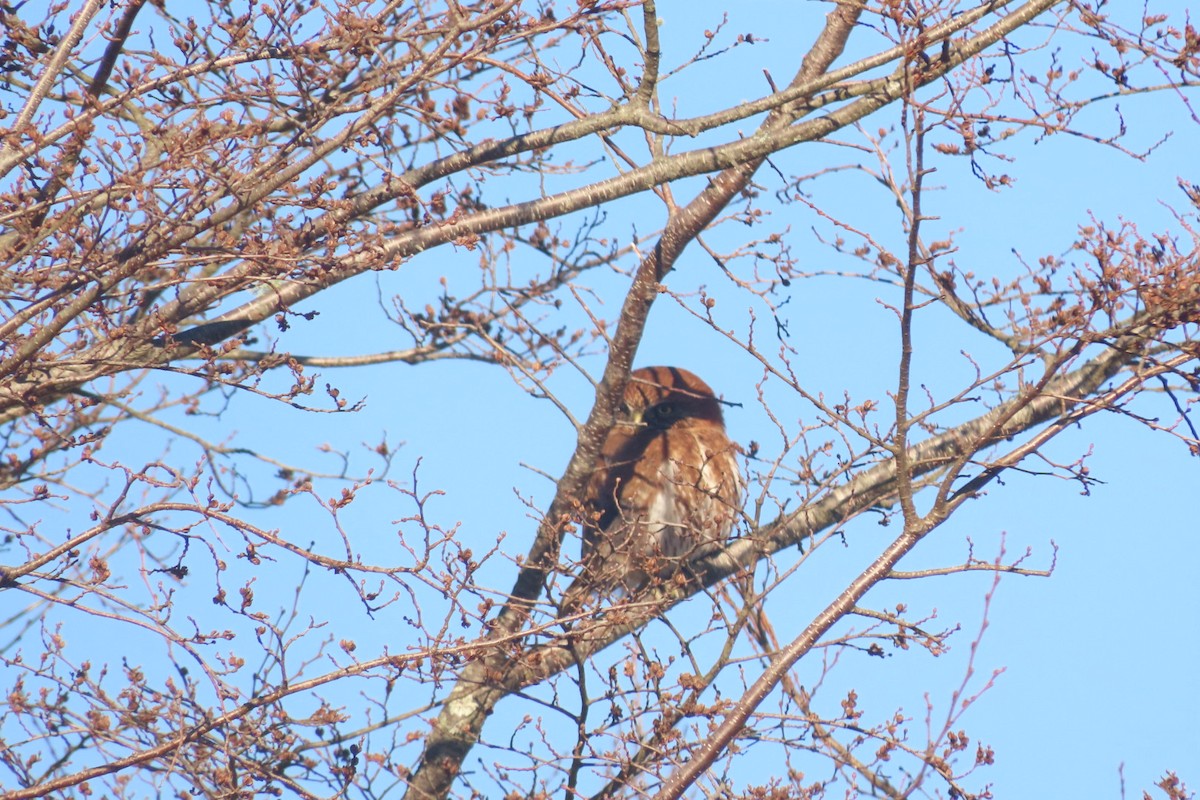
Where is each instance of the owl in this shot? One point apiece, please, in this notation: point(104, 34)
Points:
point(666, 488)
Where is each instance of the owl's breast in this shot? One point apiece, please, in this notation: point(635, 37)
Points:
point(691, 511)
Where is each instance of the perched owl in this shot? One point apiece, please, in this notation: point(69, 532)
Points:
point(666, 488)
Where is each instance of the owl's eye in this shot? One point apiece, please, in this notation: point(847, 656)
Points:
point(662, 415)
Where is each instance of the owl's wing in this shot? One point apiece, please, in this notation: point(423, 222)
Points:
point(611, 503)
point(611, 492)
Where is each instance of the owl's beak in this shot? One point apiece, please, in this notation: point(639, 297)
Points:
point(631, 416)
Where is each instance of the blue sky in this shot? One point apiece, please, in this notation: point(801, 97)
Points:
point(1098, 660)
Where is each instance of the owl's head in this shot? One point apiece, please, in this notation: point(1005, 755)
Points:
point(669, 397)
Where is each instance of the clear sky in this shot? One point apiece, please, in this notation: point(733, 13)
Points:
point(1098, 661)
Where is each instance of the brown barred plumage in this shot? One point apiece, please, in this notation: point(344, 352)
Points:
point(666, 489)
